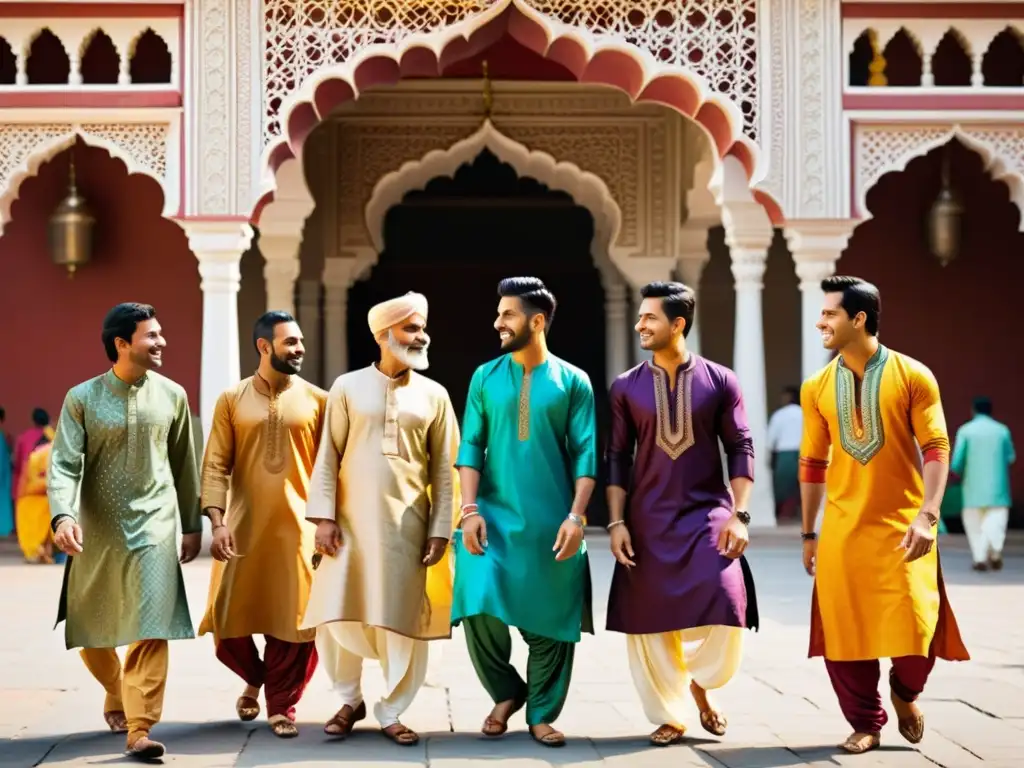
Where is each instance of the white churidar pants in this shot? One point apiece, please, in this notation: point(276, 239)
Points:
point(986, 531)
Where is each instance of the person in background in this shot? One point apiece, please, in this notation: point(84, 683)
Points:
point(982, 455)
point(785, 429)
point(33, 508)
point(28, 440)
point(7, 487)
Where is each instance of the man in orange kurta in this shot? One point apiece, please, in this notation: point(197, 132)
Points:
point(878, 586)
point(263, 442)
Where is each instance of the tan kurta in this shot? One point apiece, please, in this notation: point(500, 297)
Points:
point(263, 445)
point(388, 447)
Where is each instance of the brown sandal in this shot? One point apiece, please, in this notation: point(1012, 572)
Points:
point(493, 727)
point(145, 749)
point(667, 735)
point(116, 721)
point(401, 735)
point(345, 723)
point(283, 727)
point(911, 728)
point(247, 708)
point(859, 743)
point(713, 722)
point(553, 739)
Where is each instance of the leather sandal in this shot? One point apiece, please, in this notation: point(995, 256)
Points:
point(859, 743)
point(283, 727)
point(116, 721)
point(145, 749)
point(247, 708)
point(345, 723)
point(667, 735)
point(911, 728)
point(398, 733)
point(493, 727)
point(552, 739)
point(711, 720)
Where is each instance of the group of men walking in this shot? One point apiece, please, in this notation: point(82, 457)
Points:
point(360, 524)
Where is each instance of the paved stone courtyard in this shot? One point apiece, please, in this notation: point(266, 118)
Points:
point(781, 709)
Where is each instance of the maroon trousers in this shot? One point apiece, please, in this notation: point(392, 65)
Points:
point(283, 673)
point(856, 686)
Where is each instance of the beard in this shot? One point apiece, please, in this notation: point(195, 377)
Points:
point(416, 359)
point(146, 359)
point(289, 367)
point(520, 340)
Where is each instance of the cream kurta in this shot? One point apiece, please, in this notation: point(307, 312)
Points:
point(386, 445)
point(264, 446)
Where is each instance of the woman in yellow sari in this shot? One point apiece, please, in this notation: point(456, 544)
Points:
point(33, 508)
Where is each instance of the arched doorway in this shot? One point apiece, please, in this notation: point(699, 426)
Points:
point(454, 240)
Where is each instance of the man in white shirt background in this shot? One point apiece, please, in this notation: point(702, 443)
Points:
point(785, 429)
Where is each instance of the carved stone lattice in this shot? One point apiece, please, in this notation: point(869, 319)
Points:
point(715, 38)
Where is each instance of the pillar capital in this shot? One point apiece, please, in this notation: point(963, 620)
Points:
point(216, 240)
point(641, 270)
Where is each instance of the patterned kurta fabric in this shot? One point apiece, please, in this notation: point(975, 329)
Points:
point(868, 603)
point(384, 473)
point(265, 443)
point(128, 449)
point(530, 437)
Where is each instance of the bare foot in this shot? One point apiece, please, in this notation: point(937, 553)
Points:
point(858, 743)
point(547, 735)
point(711, 719)
point(667, 735)
point(496, 723)
point(910, 719)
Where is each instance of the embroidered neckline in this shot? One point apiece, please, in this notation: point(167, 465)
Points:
point(862, 434)
point(674, 435)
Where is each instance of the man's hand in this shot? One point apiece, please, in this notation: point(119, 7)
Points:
point(622, 545)
point(190, 546)
point(327, 538)
point(920, 536)
point(810, 556)
point(568, 540)
point(733, 539)
point(434, 551)
point(223, 546)
point(68, 538)
point(474, 534)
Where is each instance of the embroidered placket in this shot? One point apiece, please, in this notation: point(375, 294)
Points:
point(524, 407)
point(273, 450)
point(863, 437)
point(673, 440)
point(389, 443)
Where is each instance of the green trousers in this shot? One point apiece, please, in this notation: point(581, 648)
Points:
point(548, 669)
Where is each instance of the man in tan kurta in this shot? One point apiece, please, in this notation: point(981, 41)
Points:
point(382, 494)
point(264, 440)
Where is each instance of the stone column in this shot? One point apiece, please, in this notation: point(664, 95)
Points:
point(310, 322)
point(218, 245)
point(638, 271)
point(691, 257)
point(280, 269)
point(816, 245)
point(339, 273)
point(616, 325)
point(748, 233)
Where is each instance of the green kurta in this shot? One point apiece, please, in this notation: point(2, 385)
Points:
point(129, 451)
point(530, 439)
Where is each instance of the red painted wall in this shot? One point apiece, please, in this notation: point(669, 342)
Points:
point(961, 319)
point(53, 323)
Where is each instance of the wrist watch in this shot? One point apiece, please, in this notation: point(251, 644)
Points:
point(743, 516)
point(812, 536)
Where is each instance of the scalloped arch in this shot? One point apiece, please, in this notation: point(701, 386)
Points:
point(86, 41)
point(586, 188)
point(995, 166)
point(614, 63)
point(47, 150)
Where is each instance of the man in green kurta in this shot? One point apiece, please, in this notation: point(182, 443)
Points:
point(124, 443)
point(527, 466)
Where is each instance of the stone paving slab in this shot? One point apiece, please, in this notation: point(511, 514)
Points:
point(781, 708)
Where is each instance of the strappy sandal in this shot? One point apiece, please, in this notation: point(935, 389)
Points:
point(345, 723)
point(116, 721)
point(553, 739)
point(398, 733)
point(859, 743)
point(493, 727)
point(247, 708)
point(283, 727)
point(667, 735)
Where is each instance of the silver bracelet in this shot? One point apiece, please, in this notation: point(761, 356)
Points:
point(614, 523)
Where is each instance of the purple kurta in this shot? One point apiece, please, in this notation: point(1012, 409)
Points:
point(678, 497)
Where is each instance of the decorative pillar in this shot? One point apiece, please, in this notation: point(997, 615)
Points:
point(749, 233)
point(281, 269)
point(339, 274)
point(309, 321)
point(816, 245)
point(691, 257)
point(616, 324)
point(219, 246)
point(639, 271)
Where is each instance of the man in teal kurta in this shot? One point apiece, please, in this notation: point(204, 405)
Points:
point(527, 466)
point(982, 455)
point(122, 472)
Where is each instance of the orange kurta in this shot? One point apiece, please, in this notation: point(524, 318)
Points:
point(868, 603)
point(264, 445)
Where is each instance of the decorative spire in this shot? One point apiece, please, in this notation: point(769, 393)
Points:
point(488, 93)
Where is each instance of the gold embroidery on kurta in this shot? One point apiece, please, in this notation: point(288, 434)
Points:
point(673, 440)
point(274, 437)
point(524, 407)
point(389, 441)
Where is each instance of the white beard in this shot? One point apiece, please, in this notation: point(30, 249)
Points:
point(414, 358)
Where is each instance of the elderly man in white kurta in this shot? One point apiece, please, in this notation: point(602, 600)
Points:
point(382, 494)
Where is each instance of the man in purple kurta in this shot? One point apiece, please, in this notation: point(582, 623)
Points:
point(681, 591)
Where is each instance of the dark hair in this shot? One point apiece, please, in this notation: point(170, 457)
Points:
point(982, 405)
point(536, 297)
point(40, 417)
point(121, 322)
point(264, 328)
point(858, 296)
point(677, 300)
point(3, 414)
point(793, 392)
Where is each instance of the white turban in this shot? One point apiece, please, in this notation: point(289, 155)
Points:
point(390, 313)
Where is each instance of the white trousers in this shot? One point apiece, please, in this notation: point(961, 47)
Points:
point(662, 666)
point(342, 646)
point(986, 531)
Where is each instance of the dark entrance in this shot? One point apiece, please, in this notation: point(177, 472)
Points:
point(454, 240)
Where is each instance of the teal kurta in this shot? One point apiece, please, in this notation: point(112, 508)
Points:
point(982, 455)
point(530, 439)
point(129, 451)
